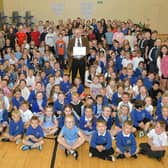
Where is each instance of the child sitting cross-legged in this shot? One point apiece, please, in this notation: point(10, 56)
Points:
point(101, 142)
point(141, 118)
point(34, 135)
point(16, 129)
point(125, 142)
point(70, 137)
point(157, 142)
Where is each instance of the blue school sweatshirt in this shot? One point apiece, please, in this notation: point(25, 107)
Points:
point(137, 116)
point(126, 143)
point(104, 140)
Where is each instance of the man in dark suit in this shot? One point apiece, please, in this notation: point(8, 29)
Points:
point(77, 61)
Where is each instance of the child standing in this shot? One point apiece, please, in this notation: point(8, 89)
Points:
point(101, 142)
point(157, 140)
point(70, 137)
point(60, 48)
point(34, 135)
point(125, 142)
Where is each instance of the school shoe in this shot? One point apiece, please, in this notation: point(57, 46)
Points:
point(5, 140)
point(110, 158)
point(120, 156)
point(141, 152)
point(134, 156)
point(25, 147)
point(75, 155)
point(91, 154)
point(159, 158)
point(66, 152)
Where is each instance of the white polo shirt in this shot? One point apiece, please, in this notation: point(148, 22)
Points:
point(158, 140)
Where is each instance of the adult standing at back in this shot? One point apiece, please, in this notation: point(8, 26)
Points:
point(78, 61)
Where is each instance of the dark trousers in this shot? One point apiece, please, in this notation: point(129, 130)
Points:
point(145, 120)
point(78, 64)
point(103, 154)
point(146, 150)
point(61, 61)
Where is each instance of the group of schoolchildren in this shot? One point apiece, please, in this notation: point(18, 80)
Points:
point(120, 99)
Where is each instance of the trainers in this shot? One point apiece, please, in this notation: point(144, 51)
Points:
point(120, 156)
point(18, 141)
point(75, 155)
point(90, 154)
point(113, 158)
point(5, 140)
point(25, 147)
point(141, 134)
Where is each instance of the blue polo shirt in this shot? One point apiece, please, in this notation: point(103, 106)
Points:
point(37, 132)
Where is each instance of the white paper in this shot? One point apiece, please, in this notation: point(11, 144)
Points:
point(79, 51)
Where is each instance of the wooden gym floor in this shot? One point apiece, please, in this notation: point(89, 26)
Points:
point(52, 156)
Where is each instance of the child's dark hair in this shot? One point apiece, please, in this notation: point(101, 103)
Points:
point(139, 104)
point(17, 90)
point(99, 96)
point(35, 118)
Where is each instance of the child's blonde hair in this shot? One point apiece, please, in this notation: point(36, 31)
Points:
point(70, 117)
point(15, 112)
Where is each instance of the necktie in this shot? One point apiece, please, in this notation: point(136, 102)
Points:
point(78, 42)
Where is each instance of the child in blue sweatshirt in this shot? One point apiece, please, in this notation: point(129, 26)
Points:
point(16, 128)
point(34, 135)
point(125, 142)
point(88, 123)
point(107, 116)
point(101, 142)
point(141, 118)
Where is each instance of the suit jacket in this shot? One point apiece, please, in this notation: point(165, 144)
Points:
point(71, 44)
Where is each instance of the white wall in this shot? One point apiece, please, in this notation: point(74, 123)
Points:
point(137, 10)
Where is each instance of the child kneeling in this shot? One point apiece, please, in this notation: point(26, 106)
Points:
point(157, 141)
point(101, 142)
point(34, 135)
point(70, 137)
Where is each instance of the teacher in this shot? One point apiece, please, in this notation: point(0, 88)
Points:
point(78, 48)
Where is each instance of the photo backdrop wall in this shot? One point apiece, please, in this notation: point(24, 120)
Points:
point(152, 11)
